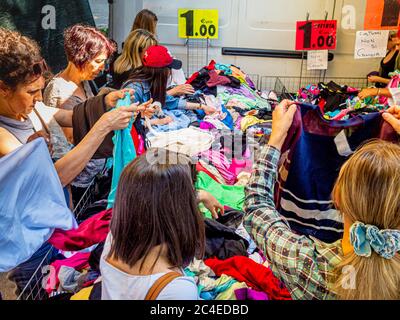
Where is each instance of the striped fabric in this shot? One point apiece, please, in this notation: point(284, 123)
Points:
point(306, 265)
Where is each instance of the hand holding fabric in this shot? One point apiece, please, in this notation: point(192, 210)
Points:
point(46, 136)
point(181, 90)
point(210, 203)
point(112, 98)
point(392, 116)
point(282, 119)
point(118, 118)
point(368, 92)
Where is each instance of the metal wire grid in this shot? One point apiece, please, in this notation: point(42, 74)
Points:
point(34, 289)
point(197, 54)
point(255, 78)
point(293, 84)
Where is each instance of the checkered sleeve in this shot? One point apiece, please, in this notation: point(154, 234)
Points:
point(293, 258)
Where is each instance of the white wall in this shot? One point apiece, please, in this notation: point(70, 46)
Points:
point(262, 24)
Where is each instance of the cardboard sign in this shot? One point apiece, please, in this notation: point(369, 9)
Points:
point(371, 44)
point(382, 15)
point(316, 35)
point(317, 60)
point(198, 23)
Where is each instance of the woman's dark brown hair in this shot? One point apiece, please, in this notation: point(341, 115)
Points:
point(156, 205)
point(146, 20)
point(157, 79)
point(18, 56)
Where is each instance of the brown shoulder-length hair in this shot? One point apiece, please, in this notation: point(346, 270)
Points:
point(83, 43)
point(146, 20)
point(156, 205)
point(157, 78)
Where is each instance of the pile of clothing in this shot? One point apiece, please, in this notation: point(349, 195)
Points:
point(341, 102)
point(233, 267)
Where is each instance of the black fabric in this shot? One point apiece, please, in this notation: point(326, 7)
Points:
point(95, 294)
point(95, 255)
point(61, 296)
point(84, 117)
point(231, 218)
point(26, 16)
point(334, 95)
point(222, 242)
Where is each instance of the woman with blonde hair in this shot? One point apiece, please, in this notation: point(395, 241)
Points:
point(365, 264)
point(135, 45)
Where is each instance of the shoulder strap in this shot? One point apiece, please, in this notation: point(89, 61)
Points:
point(160, 284)
point(44, 125)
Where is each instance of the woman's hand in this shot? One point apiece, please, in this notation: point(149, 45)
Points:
point(46, 136)
point(118, 118)
point(368, 92)
point(210, 203)
point(392, 116)
point(282, 119)
point(181, 90)
point(112, 98)
point(374, 79)
point(208, 109)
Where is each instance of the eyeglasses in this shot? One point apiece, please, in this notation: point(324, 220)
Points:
point(39, 68)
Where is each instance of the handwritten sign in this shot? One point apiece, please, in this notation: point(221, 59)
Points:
point(382, 15)
point(317, 60)
point(198, 23)
point(371, 44)
point(316, 35)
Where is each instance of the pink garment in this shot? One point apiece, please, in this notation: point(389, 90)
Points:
point(221, 163)
point(91, 231)
point(78, 261)
point(216, 79)
point(205, 125)
point(239, 166)
point(341, 114)
point(250, 294)
point(141, 150)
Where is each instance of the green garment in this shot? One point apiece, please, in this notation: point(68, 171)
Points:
point(231, 196)
point(229, 294)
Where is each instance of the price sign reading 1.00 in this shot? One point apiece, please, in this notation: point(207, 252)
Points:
point(198, 23)
point(316, 35)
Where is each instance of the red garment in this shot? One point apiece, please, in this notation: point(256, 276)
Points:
point(91, 231)
point(211, 65)
point(255, 275)
point(135, 138)
point(192, 78)
point(78, 261)
point(200, 168)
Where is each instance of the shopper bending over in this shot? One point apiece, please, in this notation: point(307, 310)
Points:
point(365, 264)
point(21, 84)
point(156, 230)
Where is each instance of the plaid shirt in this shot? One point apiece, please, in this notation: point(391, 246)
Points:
point(305, 265)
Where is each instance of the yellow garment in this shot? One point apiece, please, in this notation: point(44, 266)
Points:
point(83, 294)
point(249, 121)
point(237, 73)
point(230, 293)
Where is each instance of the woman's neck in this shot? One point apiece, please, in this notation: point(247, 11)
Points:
point(6, 111)
point(145, 267)
point(72, 73)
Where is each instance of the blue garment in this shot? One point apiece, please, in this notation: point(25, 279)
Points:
point(143, 94)
point(124, 151)
point(317, 150)
point(181, 121)
point(32, 203)
point(228, 120)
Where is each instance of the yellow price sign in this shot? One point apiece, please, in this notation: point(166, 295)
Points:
point(198, 23)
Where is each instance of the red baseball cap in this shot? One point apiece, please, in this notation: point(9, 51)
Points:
point(159, 57)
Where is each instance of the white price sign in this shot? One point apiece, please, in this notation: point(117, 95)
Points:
point(317, 60)
point(371, 44)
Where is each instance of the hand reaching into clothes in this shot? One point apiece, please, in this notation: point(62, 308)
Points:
point(181, 90)
point(208, 109)
point(282, 119)
point(161, 122)
point(368, 92)
point(210, 203)
point(46, 136)
point(374, 79)
point(392, 116)
point(112, 98)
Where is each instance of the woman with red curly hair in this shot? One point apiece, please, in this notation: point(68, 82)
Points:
point(87, 50)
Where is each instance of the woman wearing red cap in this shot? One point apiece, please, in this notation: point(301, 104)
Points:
point(150, 81)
